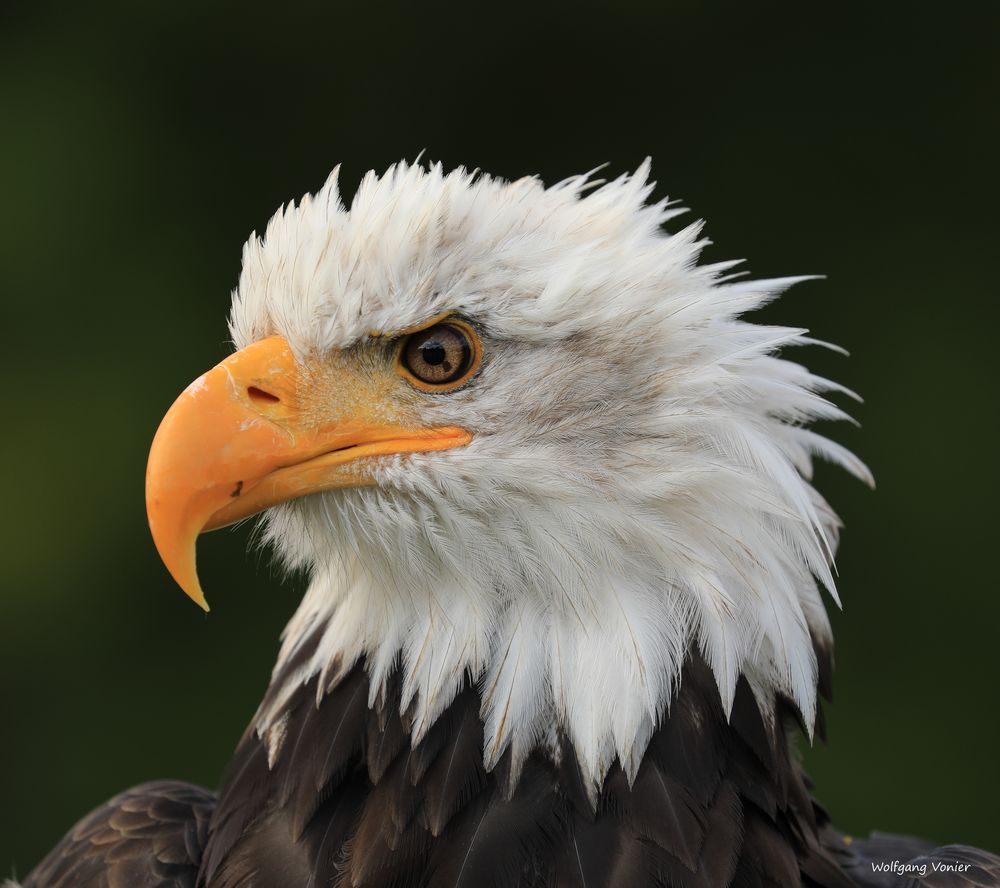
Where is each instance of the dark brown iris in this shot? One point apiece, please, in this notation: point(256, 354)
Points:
point(438, 355)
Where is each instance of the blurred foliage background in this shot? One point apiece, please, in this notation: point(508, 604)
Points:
point(140, 147)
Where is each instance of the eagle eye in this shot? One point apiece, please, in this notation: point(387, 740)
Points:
point(440, 357)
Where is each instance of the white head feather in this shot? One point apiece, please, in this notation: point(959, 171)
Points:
point(638, 482)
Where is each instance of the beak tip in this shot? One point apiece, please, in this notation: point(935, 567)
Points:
point(194, 592)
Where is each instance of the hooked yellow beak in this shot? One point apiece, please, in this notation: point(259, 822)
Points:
point(260, 429)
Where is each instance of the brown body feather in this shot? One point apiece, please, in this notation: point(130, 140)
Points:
point(716, 802)
point(348, 802)
point(150, 835)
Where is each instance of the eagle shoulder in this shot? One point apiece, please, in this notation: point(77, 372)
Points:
point(150, 835)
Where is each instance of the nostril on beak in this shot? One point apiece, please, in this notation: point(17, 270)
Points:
point(260, 397)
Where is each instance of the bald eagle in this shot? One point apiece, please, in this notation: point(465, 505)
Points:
point(552, 493)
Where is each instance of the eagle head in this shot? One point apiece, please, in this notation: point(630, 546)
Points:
point(518, 437)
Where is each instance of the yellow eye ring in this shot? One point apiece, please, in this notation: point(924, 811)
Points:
point(440, 357)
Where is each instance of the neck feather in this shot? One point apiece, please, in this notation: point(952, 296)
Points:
point(350, 790)
point(602, 677)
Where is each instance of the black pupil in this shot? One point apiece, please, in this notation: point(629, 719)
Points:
point(433, 353)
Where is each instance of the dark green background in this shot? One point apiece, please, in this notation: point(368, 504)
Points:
point(139, 150)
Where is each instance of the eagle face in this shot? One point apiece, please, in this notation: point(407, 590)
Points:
point(517, 436)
